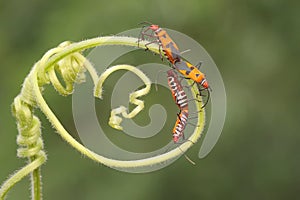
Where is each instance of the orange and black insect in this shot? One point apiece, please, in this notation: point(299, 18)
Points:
point(181, 101)
point(162, 38)
point(171, 51)
point(192, 72)
point(180, 125)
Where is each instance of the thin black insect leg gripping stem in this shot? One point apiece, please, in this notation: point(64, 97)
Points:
point(208, 96)
point(142, 35)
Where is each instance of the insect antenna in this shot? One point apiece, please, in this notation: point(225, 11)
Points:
point(185, 51)
point(145, 23)
point(186, 157)
point(198, 65)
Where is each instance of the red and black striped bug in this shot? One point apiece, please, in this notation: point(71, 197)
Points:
point(171, 51)
point(177, 91)
point(181, 101)
point(180, 125)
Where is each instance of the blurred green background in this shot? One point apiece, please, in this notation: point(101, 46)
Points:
point(255, 44)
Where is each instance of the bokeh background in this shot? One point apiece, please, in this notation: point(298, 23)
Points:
point(255, 44)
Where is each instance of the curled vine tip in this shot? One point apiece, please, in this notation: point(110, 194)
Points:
point(114, 120)
point(63, 66)
point(110, 162)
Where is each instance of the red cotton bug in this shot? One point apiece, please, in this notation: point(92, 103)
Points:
point(162, 38)
point(172, 53)
point(177, 90)
point(181, 101)
point(180, 125)
point(190, 71)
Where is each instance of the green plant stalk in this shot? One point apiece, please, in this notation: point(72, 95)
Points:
point(42, 73)
point(20, 174)
point(36, 180)
point(127, 41)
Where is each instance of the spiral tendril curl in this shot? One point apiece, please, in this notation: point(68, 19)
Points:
point(114, 120)
point(67, 61)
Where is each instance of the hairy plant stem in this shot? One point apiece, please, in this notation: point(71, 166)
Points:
point(67, 60)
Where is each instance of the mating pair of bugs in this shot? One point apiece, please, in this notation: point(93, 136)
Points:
point(189, 71)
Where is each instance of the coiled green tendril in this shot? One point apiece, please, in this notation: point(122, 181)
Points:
point(66, 64)
point(114, 120)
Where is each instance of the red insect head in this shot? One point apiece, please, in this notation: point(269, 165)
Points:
point(175, 138)
point(204, 83)
point(154, 27)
